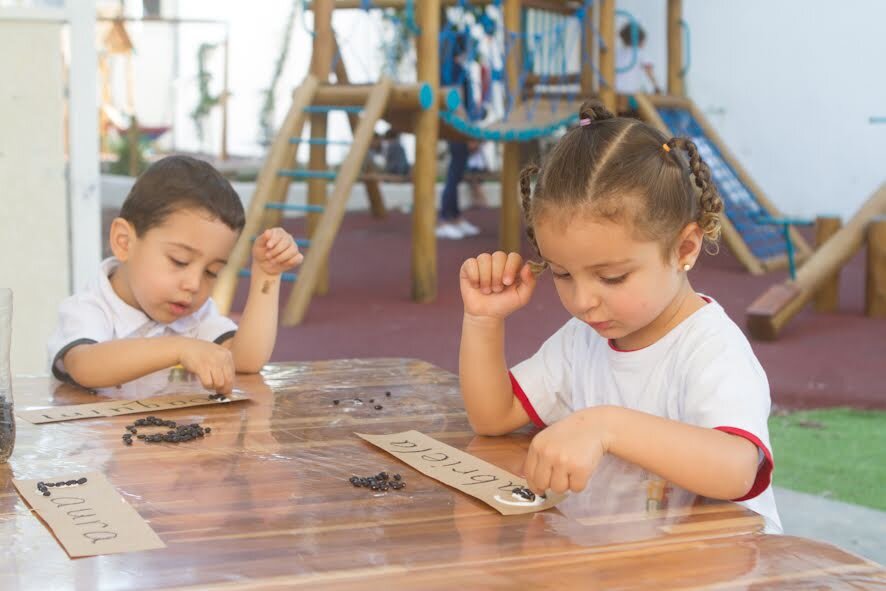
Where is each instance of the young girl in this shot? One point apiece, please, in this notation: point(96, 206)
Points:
point(647, 369)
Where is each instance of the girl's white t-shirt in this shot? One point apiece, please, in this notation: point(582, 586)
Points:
point(703, 372)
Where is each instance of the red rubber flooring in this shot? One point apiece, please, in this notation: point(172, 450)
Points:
point(820, 359)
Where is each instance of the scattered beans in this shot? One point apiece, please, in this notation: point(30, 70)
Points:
point(380, 482)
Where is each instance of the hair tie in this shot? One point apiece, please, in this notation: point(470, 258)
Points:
point(584, 122)
point(666, 147)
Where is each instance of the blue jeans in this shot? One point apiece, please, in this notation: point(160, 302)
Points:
point(458, 160)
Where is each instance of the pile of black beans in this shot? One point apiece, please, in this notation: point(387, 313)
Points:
point(525, 493)
point(43, 487)
point(218, 397)
point(176, 433)
point(380, 482)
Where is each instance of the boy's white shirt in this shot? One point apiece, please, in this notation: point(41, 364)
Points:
point(703, 372)
point(98, 315)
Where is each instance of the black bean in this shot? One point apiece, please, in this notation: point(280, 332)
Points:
point(387, 393)
point(335, 402)
point(50, 484)
point(378, 407)
point(45, 493)
point(208, 429)
point(371, 400)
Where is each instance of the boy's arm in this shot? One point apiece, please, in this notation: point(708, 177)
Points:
point(705, 461)
point(101, 365)
point(257, 332)
point(483, 373)
point(273, 253)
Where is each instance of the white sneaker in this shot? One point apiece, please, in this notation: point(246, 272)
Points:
point(467, 228)
point(449, 232)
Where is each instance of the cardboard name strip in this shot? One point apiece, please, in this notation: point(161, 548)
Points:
point(112, 408)
point(461, 471)
point(90, 519)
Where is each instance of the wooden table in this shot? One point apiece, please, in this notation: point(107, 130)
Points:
point(265, 503)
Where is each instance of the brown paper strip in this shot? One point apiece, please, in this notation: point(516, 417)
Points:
point(112, 408)
point(460, 470)
point(91, 518)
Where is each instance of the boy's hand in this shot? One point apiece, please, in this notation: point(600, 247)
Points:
point(495, 285)
point(275, 251)
point(211, 363)
point(563, 456)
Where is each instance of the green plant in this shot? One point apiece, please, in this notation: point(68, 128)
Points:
point(207, 100)
point(120, 166)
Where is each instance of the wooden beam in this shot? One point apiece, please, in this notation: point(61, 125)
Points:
point(675, 86)
point(373, 190)
point(403, 96)
point(607, 54)
point(827, 298)
point(875, 277)
point(427, 127)
point(268, 187)
point(321, 242)
point(768, 314)
point(556, 6)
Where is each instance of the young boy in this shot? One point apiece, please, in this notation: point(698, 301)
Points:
point(149, 308)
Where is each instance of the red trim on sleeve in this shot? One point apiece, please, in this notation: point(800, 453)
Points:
point(524, 400)
point(764, 472)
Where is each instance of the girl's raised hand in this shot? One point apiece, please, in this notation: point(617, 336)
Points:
point(495, 285)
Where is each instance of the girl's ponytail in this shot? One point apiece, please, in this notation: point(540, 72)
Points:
point(711, 205)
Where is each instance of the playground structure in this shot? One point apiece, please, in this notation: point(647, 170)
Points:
point(819, 276)
point(541, 98)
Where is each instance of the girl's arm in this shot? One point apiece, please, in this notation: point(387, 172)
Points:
point(705, 461)
point(273, 253)
point(485, 386)
point(492, 287)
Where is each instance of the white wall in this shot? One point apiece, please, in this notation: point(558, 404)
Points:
point(34, 256)
point(790, 85)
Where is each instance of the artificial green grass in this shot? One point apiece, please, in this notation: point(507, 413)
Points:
point(839, 453)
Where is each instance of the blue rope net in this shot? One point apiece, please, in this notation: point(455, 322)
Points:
point(741, 206)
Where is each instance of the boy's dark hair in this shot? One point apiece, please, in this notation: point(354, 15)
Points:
point(626, 35)
point(625, 170)
point(180, 182)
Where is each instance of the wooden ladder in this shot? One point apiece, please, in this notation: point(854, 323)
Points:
point(269, 201)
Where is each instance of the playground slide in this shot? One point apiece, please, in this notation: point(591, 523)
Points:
point(760, 246)
point(770, 312)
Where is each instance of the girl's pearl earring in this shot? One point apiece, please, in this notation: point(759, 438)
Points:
point(687, 266)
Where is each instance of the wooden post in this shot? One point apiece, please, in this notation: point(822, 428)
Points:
point(509, 232)
point(607, 54)
point(875, 278)
point(321, 63)
point(827, 299)
point(588, 41)
point(675, 48)
point(427, 129)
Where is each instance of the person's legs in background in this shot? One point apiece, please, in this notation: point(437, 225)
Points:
point(452, 225)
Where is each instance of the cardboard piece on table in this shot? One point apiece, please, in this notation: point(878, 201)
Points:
point(90, 519)
point(112, 408)
point(460, 470)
